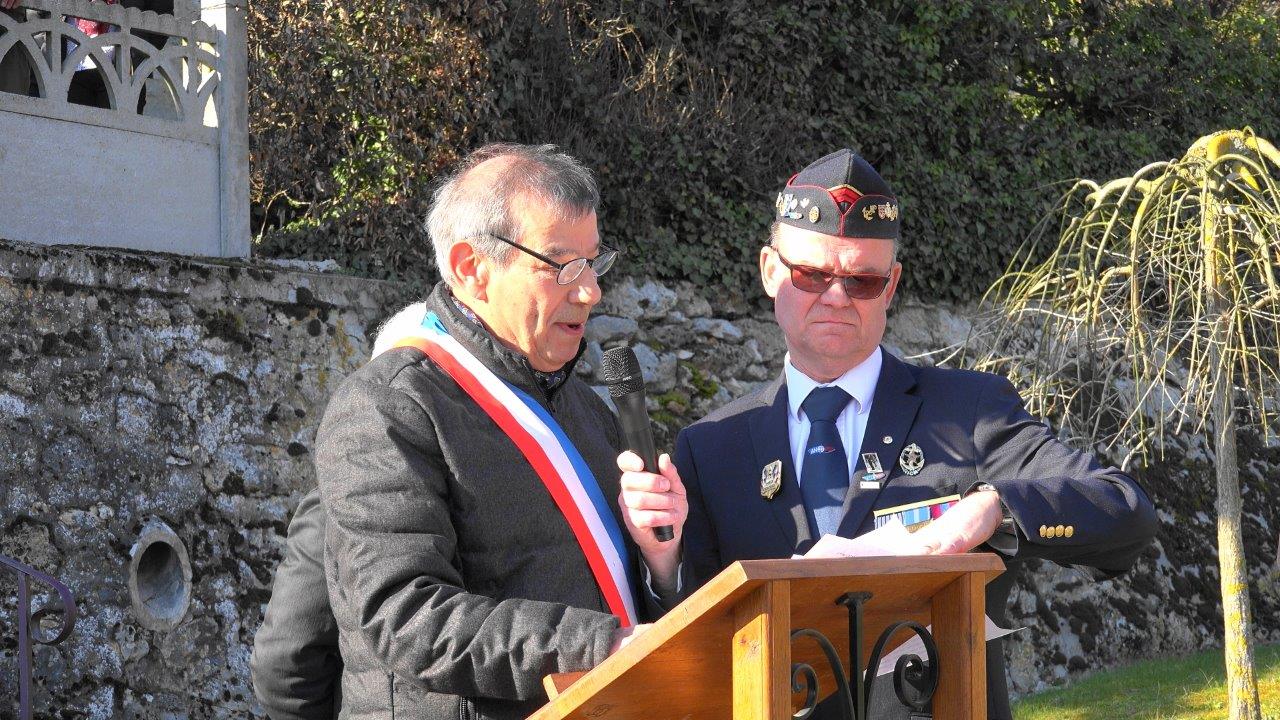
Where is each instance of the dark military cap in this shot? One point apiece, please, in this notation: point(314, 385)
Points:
point(841, 195)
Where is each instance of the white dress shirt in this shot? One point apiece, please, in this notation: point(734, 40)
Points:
point(860, 382)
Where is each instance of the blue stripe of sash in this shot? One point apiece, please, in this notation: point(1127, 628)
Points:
point(584, 472)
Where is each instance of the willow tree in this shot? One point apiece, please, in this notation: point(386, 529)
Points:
point(1157, 314)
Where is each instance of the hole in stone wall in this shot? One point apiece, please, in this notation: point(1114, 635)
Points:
point(159, 578)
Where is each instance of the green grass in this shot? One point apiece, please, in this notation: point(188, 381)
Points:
point(1190, 688)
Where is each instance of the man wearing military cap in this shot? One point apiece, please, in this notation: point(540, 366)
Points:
point(848, 436)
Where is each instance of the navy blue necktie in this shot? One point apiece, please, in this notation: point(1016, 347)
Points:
point(824, 476)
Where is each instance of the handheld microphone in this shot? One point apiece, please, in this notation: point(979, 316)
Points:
point(626, 387)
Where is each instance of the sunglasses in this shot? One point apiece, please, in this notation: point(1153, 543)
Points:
point(858, 286)
point(567, 272)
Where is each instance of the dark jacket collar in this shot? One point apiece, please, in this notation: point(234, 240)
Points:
point(503, 361)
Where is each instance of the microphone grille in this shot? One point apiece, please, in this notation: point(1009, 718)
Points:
point(621, 371)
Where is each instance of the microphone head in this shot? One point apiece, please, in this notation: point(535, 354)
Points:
point(621, 371)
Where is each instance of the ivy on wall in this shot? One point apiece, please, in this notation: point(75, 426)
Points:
point(694, 113)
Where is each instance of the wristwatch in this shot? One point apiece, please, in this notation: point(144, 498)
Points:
point(1006, 522)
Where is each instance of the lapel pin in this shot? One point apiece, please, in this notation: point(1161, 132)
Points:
point(872, 461)
point(911, 460)
point(771, 479)
point(887, 439)
point(875, 471)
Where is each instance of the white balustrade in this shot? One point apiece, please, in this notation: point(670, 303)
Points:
point(164, 166)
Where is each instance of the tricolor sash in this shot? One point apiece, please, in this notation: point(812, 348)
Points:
point(550, 453)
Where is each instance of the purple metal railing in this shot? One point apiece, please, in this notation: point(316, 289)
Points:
point(29, 624)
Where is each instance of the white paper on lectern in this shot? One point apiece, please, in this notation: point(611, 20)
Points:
point(886, 540)
point(881, 542)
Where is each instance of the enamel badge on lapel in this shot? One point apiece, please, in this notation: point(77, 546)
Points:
point(875, 471)
point(872, 461)
point(771, 479)
point(911, 460)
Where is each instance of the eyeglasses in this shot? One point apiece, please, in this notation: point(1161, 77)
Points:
point(858, 286)
point(566, 273)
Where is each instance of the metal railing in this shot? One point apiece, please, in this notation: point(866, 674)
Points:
point(29, 623)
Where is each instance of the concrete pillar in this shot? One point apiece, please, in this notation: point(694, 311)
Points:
point(232, 109)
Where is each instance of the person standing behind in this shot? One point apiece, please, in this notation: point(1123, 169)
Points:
point(848, 436)
point(469, 548)
point(15, 68)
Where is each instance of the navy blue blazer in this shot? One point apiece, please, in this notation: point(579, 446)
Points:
point(971, 428)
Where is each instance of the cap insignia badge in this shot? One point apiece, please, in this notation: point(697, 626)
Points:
point(911, 460)
point(771, 479)
point(869, 212)
point(787, 204)
point(814, 214)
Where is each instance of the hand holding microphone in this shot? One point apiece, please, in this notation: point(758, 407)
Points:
point(652, 494)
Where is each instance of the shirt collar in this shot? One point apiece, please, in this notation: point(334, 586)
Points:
point(859, 381)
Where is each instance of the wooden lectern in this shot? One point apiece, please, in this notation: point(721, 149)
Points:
point(727, 651)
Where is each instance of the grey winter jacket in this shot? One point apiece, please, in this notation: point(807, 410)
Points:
point(456, 582)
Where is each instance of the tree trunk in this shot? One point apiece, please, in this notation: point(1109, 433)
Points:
point(1237, 636)
point(1242, 685)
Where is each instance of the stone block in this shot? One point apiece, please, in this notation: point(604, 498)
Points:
point(649, 300)
point(607, 329)
point(717, 328)
point(659, 370)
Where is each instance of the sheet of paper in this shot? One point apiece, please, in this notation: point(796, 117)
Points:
point(887, 540)
point(915, 646)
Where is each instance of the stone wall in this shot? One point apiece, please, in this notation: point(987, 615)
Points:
point(143, 391)
point(157, 415)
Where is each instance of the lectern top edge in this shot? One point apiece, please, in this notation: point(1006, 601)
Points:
point(801, 568)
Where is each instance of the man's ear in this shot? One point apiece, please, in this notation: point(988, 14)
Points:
point(772, 272)
point(470, 270)
point(894, 276)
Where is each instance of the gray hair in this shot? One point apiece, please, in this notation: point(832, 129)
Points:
point(473, 209)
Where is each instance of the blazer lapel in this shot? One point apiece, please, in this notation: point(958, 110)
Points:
point(893, 411)
point(770, 442)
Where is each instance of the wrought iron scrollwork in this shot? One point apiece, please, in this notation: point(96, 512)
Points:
point(810, 687)
point(910, 667)
point(909, 672)
point(29, 623)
